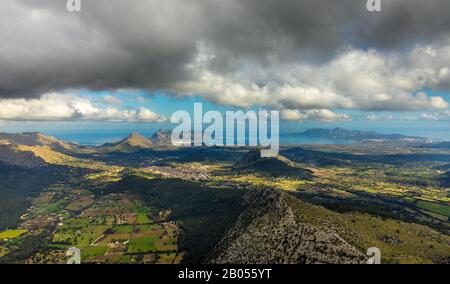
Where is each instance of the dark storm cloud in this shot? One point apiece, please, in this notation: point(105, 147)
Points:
point(115, 44)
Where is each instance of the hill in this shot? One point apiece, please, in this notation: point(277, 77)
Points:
point(357, 135)
point(36, 139)
point(48, 155)
point(278, 167)
point(32, 156)
point(12, 155)
point(162, 138)
point(132, 143)
point(18, 185)
point(278, 228)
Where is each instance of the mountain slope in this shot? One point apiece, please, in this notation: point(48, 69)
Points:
point(132, 143)
point(277, 227)
point(278, 167)
point(32, 156)
point(18, 185)
point(268, 232)
point(48, 155)
point(36, 139)
point(11, 155)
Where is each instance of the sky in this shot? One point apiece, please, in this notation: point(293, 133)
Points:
point(131, 64)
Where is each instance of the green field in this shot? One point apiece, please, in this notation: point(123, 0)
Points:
point(94, 251)
point(148, 227)
point(435, 208)
point(12, 234)
point(142, 218)
point(123, 229)
point(142, 245)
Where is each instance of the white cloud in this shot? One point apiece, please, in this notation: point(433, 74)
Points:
point(354, 79)
point(374, 117)
point(61, 107)
point(436, 116)
point(427, 116)
point(430, 116)
point(111, 100)
point(144, 114)
point(261, 53)
point(316, 114)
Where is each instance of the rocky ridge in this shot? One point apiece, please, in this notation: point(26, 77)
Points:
point(270, 232)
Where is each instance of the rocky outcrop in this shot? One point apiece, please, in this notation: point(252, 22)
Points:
point(269, 232)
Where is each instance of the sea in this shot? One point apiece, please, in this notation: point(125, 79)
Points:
point(95, 135)
point(99, 137)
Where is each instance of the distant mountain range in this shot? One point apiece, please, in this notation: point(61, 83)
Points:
point(34, 149)
point(356, 135)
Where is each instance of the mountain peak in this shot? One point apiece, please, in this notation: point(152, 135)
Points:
point(133, 142)
point(137, 140)
point(135, 135)
point(162, 137)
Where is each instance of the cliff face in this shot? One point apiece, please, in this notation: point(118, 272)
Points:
point(270, 232)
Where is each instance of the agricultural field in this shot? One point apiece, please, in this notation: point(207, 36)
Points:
point(113, 228)
point(11, 234)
